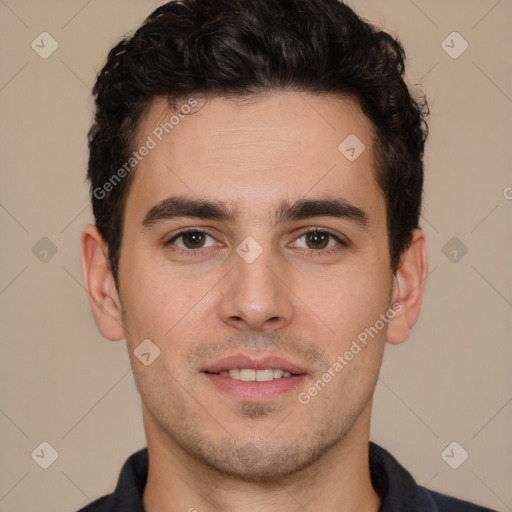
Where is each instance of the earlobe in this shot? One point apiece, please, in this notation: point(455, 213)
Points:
point(408, 287)
point(99, 284)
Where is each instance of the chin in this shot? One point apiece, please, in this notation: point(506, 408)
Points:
point(262, 460)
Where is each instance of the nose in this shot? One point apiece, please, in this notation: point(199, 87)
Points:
point(256, 295)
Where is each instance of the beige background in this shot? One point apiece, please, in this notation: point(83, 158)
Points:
point(63, 384)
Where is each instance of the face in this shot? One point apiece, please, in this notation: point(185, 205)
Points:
point(254, 254)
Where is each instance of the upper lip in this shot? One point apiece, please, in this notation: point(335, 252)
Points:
point(254, 363)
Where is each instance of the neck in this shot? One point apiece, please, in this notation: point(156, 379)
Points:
point(339, 480)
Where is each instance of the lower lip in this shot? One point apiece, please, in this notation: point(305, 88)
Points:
point(255, 391)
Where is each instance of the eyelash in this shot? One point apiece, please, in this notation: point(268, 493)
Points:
point(201, 251)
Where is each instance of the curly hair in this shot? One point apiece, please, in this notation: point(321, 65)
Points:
point(237, 48)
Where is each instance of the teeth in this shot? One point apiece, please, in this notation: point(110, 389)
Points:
point(249, 375)
point(235, 374)
point(263, 375)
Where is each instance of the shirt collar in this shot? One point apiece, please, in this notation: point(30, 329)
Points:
point(395, 485)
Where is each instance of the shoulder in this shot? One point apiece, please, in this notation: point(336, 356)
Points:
point(400, 492)
point(446, 503)
point(127, 496)
point(100, 505)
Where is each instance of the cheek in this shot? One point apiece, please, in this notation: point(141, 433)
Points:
point(350, 307)
point(349, 300)
point(147, 309)
point(162, 303)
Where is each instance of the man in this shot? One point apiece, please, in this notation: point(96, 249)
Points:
point(256, 176)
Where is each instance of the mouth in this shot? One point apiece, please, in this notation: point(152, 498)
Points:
point(255, 380)
point(249, 375)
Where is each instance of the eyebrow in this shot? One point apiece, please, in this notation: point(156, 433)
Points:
point(182, 206)
point(173, 207)
point(335, 207)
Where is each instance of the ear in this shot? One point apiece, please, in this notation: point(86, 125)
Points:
point(408, 286)
point(99, 284)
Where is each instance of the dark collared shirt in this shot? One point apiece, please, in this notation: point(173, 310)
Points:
point(397, 488)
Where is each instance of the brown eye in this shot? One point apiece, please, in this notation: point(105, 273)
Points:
point(317, 239)
point(193, 239)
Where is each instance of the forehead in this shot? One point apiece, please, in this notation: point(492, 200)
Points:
point(255, 152)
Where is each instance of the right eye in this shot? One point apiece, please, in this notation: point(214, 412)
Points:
point(191, 240)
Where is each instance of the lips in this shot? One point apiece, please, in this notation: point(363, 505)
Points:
point(250, 367)
point(249, 375)
point(249, 378)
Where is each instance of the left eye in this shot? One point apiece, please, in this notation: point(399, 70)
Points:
point(316, 240)
point(192, 240)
